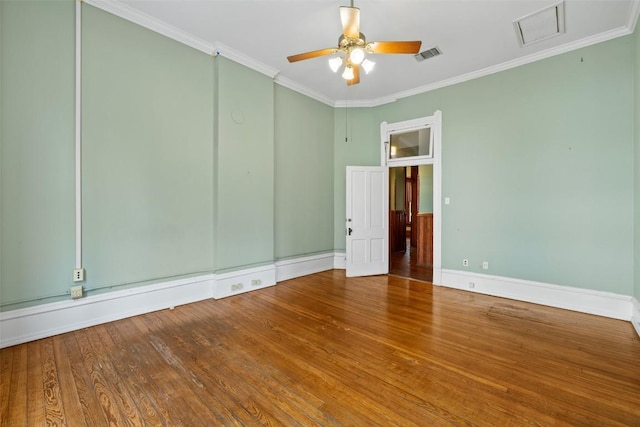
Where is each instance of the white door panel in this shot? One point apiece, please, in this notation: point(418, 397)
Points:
point(367, 220)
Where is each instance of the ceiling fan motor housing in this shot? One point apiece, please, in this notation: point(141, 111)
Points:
point(347, 43)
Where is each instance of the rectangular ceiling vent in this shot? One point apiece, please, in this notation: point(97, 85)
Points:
point(540, 25)
point(429, 53)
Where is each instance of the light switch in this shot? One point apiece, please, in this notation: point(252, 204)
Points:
point(447, 200)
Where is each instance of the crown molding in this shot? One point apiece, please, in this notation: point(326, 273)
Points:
point(243, 59)
point(123, 11)
point(290, 84)
point(365, 103)
point(568, 47)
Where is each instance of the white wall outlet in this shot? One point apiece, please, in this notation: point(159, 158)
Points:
point(472, 285)
point(78, 275)
point(465, 262)
point(485, 265)
point(76, 292)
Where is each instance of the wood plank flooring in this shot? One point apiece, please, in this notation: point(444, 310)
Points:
point(404, 264)
point(330, 351)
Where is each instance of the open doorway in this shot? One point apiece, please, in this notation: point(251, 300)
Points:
point(411, 222)
point(404, 145)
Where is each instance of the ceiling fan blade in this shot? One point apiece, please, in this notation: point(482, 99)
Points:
point(350, 18)
point(356, 76)
point(394, 47)
point(312, 54)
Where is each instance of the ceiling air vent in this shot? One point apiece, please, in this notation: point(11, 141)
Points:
point(429, 53)
point(540, 25)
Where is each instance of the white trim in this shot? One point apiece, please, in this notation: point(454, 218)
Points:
point(435, 123)
point(579, 44)
point(78, 132)
point(436, 128)
point(297, 267)
point(121, 10)
point(340, 260)
point(132, 15)
point(365, 103)
point(32, 323)
point(246, 60)
point(296, 87)
point(28, 324)
point(589, 301)
point(241, 281)
point(634, 13)
point(635, 315)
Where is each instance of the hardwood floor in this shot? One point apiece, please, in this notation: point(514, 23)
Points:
point(330, 351)
point(404, 264)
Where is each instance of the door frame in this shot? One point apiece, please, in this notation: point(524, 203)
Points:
point(435, 123)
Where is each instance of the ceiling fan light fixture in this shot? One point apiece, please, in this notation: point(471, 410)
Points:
point(351, 53)
point(348, 73)
point(356, 56)
point(367, 65)
point(335, 63)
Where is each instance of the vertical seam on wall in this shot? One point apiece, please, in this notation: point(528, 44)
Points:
point(78, 131)
point(215, 95)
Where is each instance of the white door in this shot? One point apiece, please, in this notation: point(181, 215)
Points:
point(367, 220)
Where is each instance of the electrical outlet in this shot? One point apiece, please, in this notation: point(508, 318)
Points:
point(472, 285)
point(78, 275)
point(236, 286)
point(485, 265)
point(256, 282)
point(465, 262)
point(76, 292)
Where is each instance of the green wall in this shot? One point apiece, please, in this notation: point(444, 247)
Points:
point(37, 151)
point(245, 167)
point(303, 175)
point(397, 185)
point(356, 143)
point(636, 193)
point(147, 152)
point(425, 174)
point(182, 174)
point(197, 164)
point(537, 162)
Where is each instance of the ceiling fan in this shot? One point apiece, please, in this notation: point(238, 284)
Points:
point(353, 47)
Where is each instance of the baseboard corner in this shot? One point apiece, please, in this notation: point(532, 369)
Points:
point(635, 316)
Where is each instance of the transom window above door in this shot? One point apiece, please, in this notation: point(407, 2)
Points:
point(415, 143)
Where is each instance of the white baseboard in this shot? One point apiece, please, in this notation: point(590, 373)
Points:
point(32, 323)
point(635, 315)
point(239, 282)
point(583, 300)
point(340, 260)
point(297, 267)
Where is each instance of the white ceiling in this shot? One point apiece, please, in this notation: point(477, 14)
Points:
point(476, 37)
